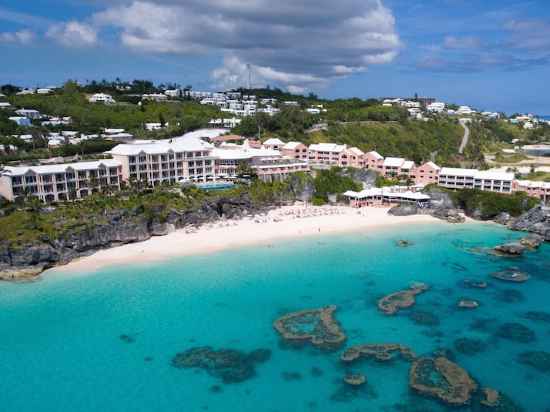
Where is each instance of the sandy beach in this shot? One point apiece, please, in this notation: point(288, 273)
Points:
point(280, 223)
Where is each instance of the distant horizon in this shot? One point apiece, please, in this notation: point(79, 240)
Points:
point(493, 55)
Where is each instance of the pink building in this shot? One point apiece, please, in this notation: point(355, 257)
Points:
point(426, 174)
point(397, 167)
point(295, 150)
point(540, 190)
point(273, 144)
point(331, 154)
point(374, 160)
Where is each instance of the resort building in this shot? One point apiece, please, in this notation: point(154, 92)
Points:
point(51, 183)
point(426, 174)
point(295, 150)
point(397, 167)
point(273, 144)
point(330, 154)
point(388, 196)
point(276, 169)
point(374, 160)
point(492, 181)
point(174, 160)
point(539, 190)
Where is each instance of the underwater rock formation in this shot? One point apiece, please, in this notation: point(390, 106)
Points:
point(424, 318)
point(231, 366)
point(513, 249)
point(509, 296)
point(378, 352)
point(537, 316)
point(511, 275)
point(532, 241)
point(404, 243)
point(474, 284)
point(469, 346)
point(355, 379)
point(392, 303)
point(537, 359)
point(515, 332)
point(315, 326)
point(490, 397)
point(468, 304)
point(442, 379)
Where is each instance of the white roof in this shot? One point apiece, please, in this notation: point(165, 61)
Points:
point(534, 184)
point(375, 154)
point(292, 145)
point(394, 162)
point(204, 133)
point(386, 193)
point(453, 171)
point(242, 153)
point(432, 165)
point(327, 147)
point(477, 174)
point(274, 142)
point(356, 151)
point(161, 146)
point(408, 164)
point(59, 168)
point(494, 175)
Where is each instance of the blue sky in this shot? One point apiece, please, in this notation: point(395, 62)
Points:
point(491, 54)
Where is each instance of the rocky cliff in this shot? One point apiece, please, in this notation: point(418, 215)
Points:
point(27, 260)
point(536, 220)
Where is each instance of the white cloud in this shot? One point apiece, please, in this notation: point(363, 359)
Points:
point(20, 37)
point(73, 34)
point(292, 43)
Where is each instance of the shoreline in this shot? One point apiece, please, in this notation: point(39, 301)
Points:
point(287, 222)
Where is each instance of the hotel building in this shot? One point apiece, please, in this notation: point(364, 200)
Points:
point(454, 178)
point(51, 183)
point(330, 154)
point(168, 161)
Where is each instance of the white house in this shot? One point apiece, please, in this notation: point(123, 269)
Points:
point(436, 107)
point(44, 90)
point(154, 126)
point(155, 97)
point(465, 110)
point(4, 105)
point(29, 113)
point(101, 98)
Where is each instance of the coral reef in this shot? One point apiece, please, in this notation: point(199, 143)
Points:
point(513, 249)
point(442, 379)
point(509, 296)
point(424, 318)
point(231, 366)
point(537, 316)
point(474, 284)
point(511, 275)
point(468, 304)
point(316, 326)
point(537, 359)
point(392, 303)
point(355, 379)
point(469, 346)
point(515, 332)
point(404, 243)
point(378, 352)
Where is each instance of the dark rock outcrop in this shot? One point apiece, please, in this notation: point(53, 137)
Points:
point(23, 261)
point(536, 220)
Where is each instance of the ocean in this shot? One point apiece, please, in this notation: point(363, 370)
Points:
point(106, 340)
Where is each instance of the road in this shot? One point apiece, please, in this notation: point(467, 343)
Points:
point(466, 137)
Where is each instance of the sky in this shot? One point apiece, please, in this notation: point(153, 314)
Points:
point(490, 54)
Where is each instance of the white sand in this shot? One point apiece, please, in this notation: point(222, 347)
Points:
point(277, 224)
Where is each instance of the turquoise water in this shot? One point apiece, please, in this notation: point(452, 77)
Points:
point(61, 347)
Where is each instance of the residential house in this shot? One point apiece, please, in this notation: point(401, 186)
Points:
point(273, 144)
point(427, 173)
point(21, 121)
point(101, 98)
point(29, 113)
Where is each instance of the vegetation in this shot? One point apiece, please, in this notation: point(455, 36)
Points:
point(490, 204)
point(332, 181)
point(538, 176)
point(419, 141)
